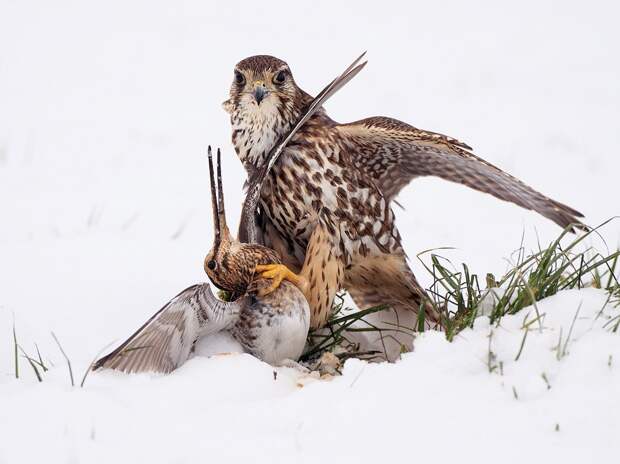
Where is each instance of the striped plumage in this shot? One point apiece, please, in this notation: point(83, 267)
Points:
point(326, 204)
point(272, 327)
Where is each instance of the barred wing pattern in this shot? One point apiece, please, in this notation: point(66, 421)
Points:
point(393, 153)
point(166, 340)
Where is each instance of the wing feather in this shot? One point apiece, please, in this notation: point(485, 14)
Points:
point(393, 153)
point(165, 341)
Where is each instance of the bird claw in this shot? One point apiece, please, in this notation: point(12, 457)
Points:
point(277, 273)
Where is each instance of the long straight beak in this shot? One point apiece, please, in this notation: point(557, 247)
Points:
point(221, 213)
point(221, 231)
point(214, 203)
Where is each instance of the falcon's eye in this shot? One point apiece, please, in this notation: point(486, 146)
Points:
point(211, 264)
point(239, 78)
point(279, 77)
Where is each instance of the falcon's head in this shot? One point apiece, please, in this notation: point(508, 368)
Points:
point(263, 84)
point(264, 103)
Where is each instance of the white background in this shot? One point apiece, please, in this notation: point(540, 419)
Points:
point(106, 109)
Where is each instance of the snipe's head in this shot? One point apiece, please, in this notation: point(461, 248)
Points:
point(218, 265)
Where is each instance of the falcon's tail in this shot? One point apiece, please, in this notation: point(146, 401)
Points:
point(388, 281)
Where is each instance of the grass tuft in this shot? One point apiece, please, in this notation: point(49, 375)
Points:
point(15, 352)
point(35, 364)
point(457, 294)
point(66, 358)
point(333, 337)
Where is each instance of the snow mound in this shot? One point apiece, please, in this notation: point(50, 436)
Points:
point(441, 402)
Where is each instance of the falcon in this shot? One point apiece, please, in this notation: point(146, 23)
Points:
point(270, 318)
point(325, 204)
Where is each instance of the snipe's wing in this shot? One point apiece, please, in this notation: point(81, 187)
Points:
point(165, 341)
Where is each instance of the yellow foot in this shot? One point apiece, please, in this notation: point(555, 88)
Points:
point(277, 273)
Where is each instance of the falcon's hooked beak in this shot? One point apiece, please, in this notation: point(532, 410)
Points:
point(260, 91)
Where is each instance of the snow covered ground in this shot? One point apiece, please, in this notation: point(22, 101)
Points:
point(106, 109)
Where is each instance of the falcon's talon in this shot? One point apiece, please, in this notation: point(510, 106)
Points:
point(277, 273)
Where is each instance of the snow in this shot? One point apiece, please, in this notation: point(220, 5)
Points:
point(439, 399)
point(105, 113)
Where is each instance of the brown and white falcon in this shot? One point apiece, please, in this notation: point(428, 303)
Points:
point(326, 203)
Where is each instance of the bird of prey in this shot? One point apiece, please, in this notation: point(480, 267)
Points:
point(325, 205)
point(270, 318)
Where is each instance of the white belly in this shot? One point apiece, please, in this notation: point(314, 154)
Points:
point(274, 328)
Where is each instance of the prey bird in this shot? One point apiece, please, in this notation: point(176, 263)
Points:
point(325, 204)
point(273, 327)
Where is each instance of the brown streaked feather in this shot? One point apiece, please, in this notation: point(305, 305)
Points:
point(291, 253)
point(388, 281)
point(260, 63)
point(324, 271)
point(393, 153)
point(247, 227)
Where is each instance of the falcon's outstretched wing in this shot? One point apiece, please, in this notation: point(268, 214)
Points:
point(393, 153)
point(165, 341)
